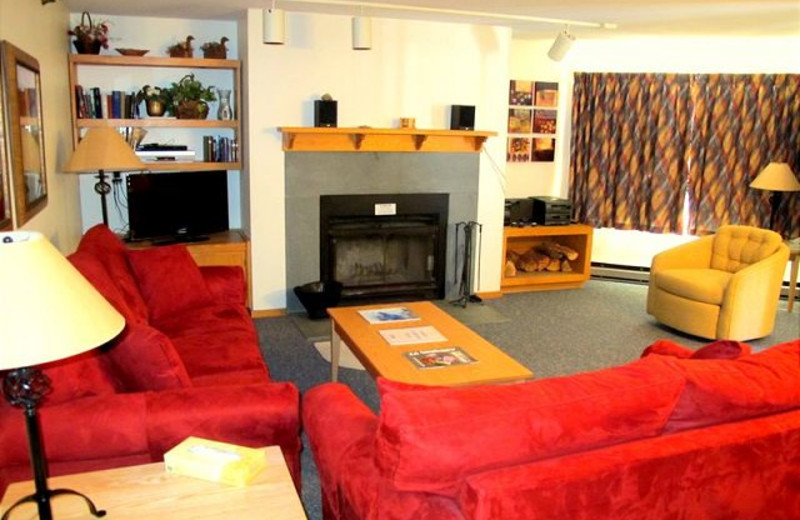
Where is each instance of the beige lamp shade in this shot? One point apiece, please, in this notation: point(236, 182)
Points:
point(776, 177)
point(48, 310)
point(103, 149)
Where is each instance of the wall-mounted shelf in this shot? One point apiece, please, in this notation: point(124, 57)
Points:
point(308, 139)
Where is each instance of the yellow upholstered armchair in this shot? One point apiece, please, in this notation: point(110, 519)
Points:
point(723, 286)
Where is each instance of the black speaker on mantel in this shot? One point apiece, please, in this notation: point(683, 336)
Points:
point(324, 113)
point(462, 117)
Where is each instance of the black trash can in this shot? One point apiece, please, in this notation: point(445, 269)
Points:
point(316, 297)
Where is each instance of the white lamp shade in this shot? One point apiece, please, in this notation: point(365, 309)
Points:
point(48, 310)
point(103, 148)
point(561, 46)
point(362, 33)
point(776, 177)
point(274, 26)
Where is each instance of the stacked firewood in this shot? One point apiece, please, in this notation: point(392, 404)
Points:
point(545, 256)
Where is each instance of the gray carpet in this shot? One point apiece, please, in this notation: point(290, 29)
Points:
point(553, 333)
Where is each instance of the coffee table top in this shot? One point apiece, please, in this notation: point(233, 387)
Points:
point(149, 492)
point(382, 359)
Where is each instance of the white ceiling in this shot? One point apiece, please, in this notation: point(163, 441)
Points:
point(640, 17)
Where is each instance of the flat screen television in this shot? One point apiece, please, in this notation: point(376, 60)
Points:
point(177, 206)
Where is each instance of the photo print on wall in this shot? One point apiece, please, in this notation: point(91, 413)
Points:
point(532, 116)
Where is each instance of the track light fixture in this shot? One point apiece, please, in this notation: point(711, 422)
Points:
point(362, 33)
point(561, 45)
point(274, 26)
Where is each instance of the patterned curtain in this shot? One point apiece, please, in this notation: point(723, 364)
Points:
point(627, 168)
point(643, 144)
point(742, 123)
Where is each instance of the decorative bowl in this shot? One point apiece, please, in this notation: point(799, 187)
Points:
point(132, 52)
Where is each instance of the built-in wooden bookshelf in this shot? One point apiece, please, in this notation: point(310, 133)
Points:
point(232, 127)
point(360, 139)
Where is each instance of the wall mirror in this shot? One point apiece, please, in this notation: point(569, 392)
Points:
point(24, 132)
point(5, 200)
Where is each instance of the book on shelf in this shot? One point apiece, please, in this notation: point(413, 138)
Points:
point(439, 357)
point(388, 315)
point(412, 335)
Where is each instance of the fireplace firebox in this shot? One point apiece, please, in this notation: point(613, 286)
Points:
point(384, 247)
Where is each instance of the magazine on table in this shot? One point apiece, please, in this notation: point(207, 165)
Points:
point(412, 335)
point(388, 315)
point(439, 357)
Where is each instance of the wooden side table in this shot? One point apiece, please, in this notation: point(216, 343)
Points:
point(794, 257)
point(148, 491)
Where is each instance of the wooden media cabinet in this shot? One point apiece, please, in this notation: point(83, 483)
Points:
point(522, 239)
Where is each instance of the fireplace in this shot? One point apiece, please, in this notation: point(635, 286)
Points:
point(384, 246)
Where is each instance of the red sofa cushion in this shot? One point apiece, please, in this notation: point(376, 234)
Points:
point(428, 440)
point(145, 359)
point(78, 376)
point(106, 246)
point(725, 390)
point(93, 270)
point(169, 280)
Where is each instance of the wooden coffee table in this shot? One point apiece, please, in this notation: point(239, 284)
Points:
point(149, 492)
point(382, 359)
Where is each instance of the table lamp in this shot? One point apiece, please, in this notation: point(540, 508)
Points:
point(103, 149)
point(38, 283)
point(777, 178)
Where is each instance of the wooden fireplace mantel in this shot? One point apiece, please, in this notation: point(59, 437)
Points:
point(362, 139)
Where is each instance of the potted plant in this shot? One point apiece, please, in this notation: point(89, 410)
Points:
point(188, 98)
point(88, 36)
point(155, 100)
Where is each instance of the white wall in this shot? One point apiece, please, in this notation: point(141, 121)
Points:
point(156, 34)
point(678, 55)
point(415, 69)
point(41, 32)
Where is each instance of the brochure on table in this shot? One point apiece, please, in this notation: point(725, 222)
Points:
point(389, 315)
point(439, 358)
point(412, 335)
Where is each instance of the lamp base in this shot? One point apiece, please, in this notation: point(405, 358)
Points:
point(49, 494)
point(24, 388)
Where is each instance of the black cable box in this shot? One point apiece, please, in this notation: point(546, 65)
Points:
point(155, 147)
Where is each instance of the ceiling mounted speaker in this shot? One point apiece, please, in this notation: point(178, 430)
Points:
point(274, 26)
point(362, 33)
point(561, 46)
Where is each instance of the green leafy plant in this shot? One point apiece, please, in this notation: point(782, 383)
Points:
point(148, 93)
point(190, 89)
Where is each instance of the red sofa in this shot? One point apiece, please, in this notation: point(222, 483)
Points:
point(674, 435)
point(187, 363)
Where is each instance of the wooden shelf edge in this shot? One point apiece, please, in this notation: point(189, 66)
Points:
point(313, 139)
point(197, 166)
point(157, 122)
point(153, 61)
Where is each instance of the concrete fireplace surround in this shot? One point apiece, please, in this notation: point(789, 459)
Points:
point(311, 174)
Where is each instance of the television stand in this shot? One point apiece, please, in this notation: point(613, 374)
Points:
point(181, 239)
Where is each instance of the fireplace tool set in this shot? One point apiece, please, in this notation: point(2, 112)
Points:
point(472, 249)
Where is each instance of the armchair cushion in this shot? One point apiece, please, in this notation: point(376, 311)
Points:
point(704, 285)
point(736, 247)
point(169, 280)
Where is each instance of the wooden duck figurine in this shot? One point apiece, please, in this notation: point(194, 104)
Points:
point(182, 49)
point(215, 50)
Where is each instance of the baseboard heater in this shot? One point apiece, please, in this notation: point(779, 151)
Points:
point(629, 273)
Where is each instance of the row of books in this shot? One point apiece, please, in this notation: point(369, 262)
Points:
point(220, 149)
point(91, 103)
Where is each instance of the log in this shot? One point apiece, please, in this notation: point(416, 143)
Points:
point(511, 269)
point(565, 267)
point(554, 265)
point(553, 248)
point(532, 261)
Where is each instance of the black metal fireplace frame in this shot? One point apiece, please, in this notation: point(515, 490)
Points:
point(332, 207)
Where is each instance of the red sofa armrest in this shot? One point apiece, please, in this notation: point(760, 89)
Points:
point(227, 283)
point(251, 415)
point(89, 428)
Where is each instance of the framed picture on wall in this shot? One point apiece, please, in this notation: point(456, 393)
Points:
point(544, 121)
point(519, 149)
point(543, 149)
point(520, 93)
point(519, 120)
point(545, 94)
